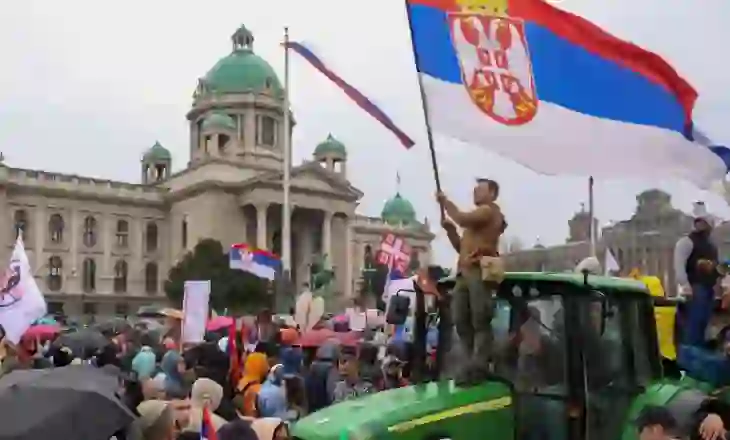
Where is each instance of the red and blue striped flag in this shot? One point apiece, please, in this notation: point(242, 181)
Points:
point(354, 94)
point(207, 430)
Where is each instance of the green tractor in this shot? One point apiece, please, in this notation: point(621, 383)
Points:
point(584, 371)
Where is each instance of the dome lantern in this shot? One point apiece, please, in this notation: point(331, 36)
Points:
point(156, 164)
point(332, 155)
point(398, 211)
point(242, 39)
point(241, 71)
point(330, 147)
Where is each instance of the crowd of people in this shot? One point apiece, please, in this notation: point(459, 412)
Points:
point(257, 383)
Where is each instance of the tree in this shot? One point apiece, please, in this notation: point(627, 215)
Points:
point(231, 289)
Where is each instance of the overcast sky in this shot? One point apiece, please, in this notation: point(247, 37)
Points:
point(86, 86)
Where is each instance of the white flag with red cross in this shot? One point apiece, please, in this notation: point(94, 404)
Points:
point(395, 253)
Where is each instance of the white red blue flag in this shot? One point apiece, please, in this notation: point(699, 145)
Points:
point(259, 262)
point(361, 100)
point(207, 430)
point(556, 93)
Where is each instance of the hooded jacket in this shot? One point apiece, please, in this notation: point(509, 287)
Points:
point(144, 363)
point(291, 359)
point(254, 373)
point(174, 382)
point(272, 397)
point(205, 391)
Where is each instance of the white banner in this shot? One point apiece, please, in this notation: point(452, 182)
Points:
point(195, 311)
point(21, 302)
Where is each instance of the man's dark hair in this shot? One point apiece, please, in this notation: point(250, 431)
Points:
point(653, 415)
point(492, 185)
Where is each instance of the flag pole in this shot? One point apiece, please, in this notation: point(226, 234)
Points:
point(592, 215)
point(286, 182)
point(424, 107)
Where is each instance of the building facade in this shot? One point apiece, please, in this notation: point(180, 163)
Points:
point(644, 242)
point(103, 247)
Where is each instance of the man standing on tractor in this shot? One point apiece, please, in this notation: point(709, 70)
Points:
point(479, 273)
point(696, 264)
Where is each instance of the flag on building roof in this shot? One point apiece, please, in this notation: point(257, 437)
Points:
point(361, 100)
point(556, 93)
point(259, 262)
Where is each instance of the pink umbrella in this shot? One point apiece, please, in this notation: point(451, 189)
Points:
point(42, 331)
point(317, 337)
point(341, 318)
point(218, 323)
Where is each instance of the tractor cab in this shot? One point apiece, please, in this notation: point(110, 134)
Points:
point(571, 355)
point(577, 350)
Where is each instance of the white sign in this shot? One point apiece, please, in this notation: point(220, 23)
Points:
point(21, 302)
point(358, 319)
point(195, 311)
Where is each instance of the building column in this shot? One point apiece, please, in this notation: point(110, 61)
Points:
point(75, 271)
point(261, 233)
point(105, 272)
point(40, 221)
point(349, 248)
point(327, 236)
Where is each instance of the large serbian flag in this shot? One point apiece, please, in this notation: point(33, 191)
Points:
point(259, 262)
point(556, 93)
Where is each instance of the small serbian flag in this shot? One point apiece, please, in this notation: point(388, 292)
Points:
point(207, 431)
point(259, 262)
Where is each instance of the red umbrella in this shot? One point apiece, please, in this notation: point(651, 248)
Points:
point(218, 323)
point(316, 337)
point(42, 331)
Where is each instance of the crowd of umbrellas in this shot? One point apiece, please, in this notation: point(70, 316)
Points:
point(81, 401)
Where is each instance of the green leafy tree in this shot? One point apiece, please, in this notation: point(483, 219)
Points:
point(232, 289)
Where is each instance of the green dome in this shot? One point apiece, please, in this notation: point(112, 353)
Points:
point(242, 71)
point(330, 146)
point(157, 153)
point(398, 211)
point(219, 120)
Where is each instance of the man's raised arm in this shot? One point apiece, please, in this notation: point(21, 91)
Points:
point(478, 216)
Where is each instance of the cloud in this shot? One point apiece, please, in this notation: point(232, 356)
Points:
point(87, 86)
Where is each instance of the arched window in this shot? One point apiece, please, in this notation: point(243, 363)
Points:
point(367, 257)
point(121, 270)
point(268, 131)
point(20, 222)
point(90, 231)
point(122, 233)
point(151, 234)
point(88, 275)
point(55, 228)
point(55, 273)
point(150, 278)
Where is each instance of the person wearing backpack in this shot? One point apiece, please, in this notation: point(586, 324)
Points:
point(323, 377)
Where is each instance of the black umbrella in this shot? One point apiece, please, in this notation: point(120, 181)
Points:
point(149, 312)
point(82, 342)
point(76, 402)
point(112, 326)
